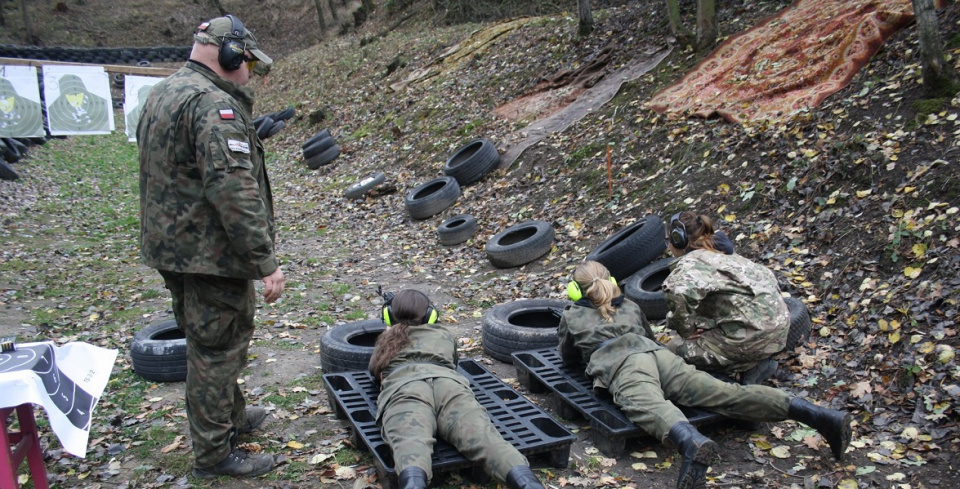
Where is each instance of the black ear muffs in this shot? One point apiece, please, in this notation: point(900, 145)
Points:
point(574, 292)
point(430, 316)
point(678, 233)
point(232, 47)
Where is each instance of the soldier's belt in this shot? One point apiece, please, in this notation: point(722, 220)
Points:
point(410, 364)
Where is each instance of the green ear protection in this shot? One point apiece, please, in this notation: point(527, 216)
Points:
point(430, 316)
point(574, 292)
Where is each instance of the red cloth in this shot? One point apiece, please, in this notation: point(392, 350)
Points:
point(788, 62)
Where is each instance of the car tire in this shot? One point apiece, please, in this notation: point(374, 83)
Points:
point(799, 323)
point(632, 247)
point(264, 127)
point(457, 229)
point(348, 347)
point(528, 324)
point(432, 197)
point(520, 244)
point(472, 161)
point(317, 137)
point(645, 288)
point(324, 158)
point(284, 114)
point(318, 146)
point(159, 352)
point(7, 172)
point(277, 126)
point(359, 189)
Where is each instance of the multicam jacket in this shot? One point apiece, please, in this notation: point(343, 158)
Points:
point(431, 353)
point(205, 201)
point(734, 300)
point(585, 336)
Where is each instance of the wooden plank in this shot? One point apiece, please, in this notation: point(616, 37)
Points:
point(127, 70)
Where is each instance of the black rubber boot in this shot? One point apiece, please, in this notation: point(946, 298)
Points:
point(413, 478)
point(833, 425)
point(238, 464)
point(697, 452)
point(521, 477)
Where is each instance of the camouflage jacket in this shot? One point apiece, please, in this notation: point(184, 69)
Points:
point(736, 301)
point(583, 333)
point(431, 353)
point(205, 201)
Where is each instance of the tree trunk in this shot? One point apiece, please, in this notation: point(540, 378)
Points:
point(219, 6)
point(586, 17)
point(939, 78)
point(676, 25)
point(706, 24)
point(323, 22)
point(28, 30)
point(333, 13)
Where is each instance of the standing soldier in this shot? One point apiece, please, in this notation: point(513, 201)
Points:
point(207, 225)
point(423, 396)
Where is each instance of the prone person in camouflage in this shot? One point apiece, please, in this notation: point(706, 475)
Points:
point(207, 225)
point(422, 395)
point(611, 335)
point(726, 308)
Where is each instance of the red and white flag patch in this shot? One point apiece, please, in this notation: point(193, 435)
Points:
point(226, 114)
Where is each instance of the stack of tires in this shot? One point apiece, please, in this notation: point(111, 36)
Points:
point(270, 124)
point(14, 150)
point(320, 150)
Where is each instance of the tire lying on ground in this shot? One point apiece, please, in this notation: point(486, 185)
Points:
point(359, 189)
point(457, 229)
point(282, 115)
point(520, 244)
point(527, 324)
point(432, 197)
point(317, 137)
point(632, 247)
point(645, 288)
point(323, 158)
point(472, 162)
point(7, 172)
point(159, 352)
point(317, 147)
point(277, 126)
point(799, 323)
point(349, 346)
point(264, 127)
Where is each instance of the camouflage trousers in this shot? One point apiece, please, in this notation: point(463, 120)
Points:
point(424, 409)
point(707, 353)
point(216, 315)
point(648, 384)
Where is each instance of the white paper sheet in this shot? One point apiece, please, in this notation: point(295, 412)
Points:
point(67, 381)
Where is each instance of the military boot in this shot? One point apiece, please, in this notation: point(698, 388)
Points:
point(239, 464)
point(832, 424)
point(253, 417)
point(697, 452)
point(413, 477)
point(521, 477)
point(760, 372)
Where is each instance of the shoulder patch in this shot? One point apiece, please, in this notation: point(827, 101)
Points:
point(238, 146)
point(227, 114)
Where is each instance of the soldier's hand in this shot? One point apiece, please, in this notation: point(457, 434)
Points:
point(273, 285)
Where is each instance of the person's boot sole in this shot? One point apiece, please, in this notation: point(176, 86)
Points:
point(210, 475)
point(696, 477)
point(846, 434)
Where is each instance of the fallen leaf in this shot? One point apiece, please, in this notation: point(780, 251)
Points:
point(172, 446)
point(780, 451)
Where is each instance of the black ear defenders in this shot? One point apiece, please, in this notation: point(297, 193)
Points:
point(430, 316)
point(678, 233)
point(574, 292)
point(232, 47)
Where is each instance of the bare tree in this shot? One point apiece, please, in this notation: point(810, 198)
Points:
point(706, 34)
point(333, 13)
point(586, 17)
point(323, 22)
point(939, 77)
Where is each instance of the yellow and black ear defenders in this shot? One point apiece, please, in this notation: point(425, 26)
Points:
point(430, 316)
point(574, 292)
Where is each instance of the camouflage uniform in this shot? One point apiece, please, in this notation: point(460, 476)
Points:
point(422, 395)
point(646, 379)
point(206, 222)
point(735, 301)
